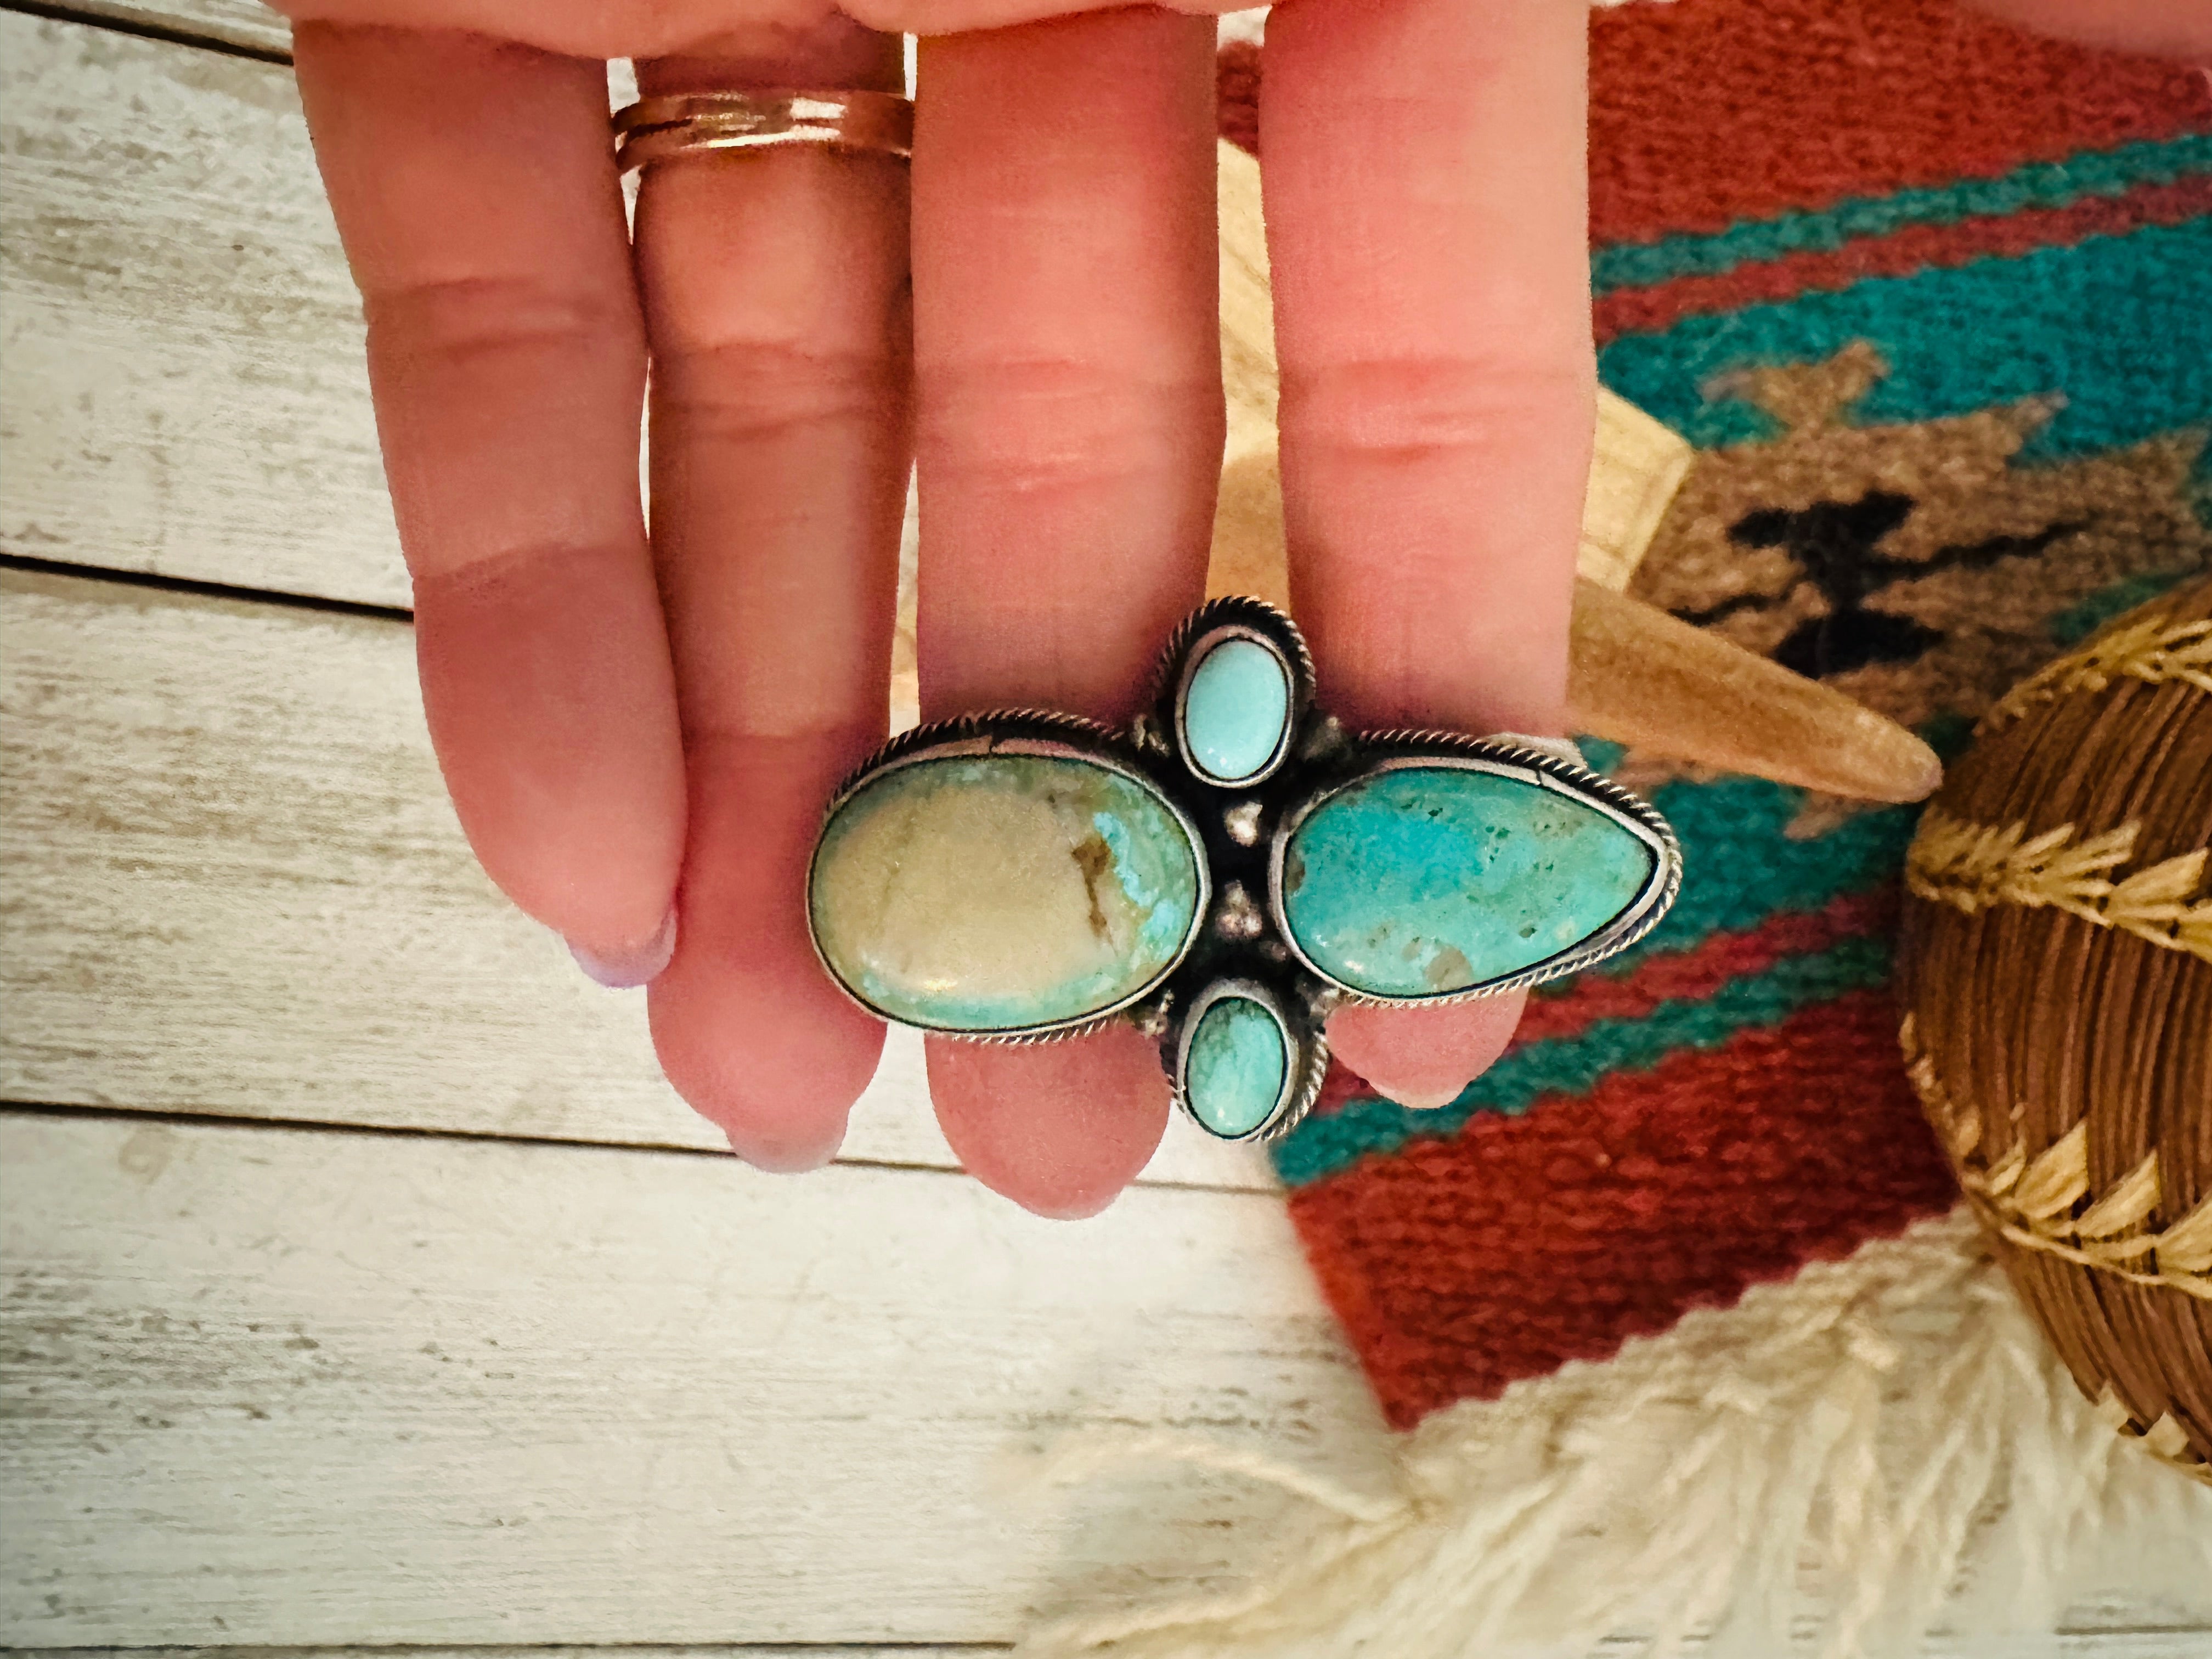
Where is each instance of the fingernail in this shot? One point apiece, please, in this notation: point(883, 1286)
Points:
point(1071, 1209)
point(781, 1160)
point(1419, 1103)
point(624, 971)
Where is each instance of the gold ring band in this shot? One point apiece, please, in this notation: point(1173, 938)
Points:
point(654, 129)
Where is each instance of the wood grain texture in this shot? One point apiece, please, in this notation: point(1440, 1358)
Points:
point(295, 1389)
point(237, 889)
point(2164, 1642)
point(306, 1387)
point(487, 1650)
point(181, 383)
point(242, 25)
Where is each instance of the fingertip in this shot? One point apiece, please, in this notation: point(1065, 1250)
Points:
point(624, 967)
point(1424, 1058)
point(547, 690)
point(1061, 1128)
point(776, 1067)
point(748, 1028)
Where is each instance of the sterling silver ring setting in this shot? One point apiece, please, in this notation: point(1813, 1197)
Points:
point(1223, 874)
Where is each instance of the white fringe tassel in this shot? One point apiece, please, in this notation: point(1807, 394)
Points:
point(1874, 1445)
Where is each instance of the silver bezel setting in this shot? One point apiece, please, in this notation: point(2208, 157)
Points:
point(1019, 733)
point(1239, 832)
point(1507, 757)
point(1305, 1060)
point(1195, 653)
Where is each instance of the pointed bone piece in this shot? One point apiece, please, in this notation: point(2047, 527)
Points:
point(1643, 677)
point(1640, 677)
point(1637, 675)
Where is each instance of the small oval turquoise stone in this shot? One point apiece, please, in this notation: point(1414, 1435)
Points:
point(1235, 708)
point(1424, 881)
point(998, 892)
point(1233, 1075)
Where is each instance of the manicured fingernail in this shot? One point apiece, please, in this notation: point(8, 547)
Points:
point(625, 970)
point(782, 1159)
point(1421, 1102)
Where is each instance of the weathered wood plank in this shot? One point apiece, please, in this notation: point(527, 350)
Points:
point(310, 1387)
point(305, 1389)
point(237, 888)
point(2151, 1643)
point(181, 384)
point(244, 24)
point(249, 24)
point(485, 1651)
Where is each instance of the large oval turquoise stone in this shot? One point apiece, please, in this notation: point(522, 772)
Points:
point(1000, 892)
point(1235, 708)
point(1233, 1073)
point(1427, 880)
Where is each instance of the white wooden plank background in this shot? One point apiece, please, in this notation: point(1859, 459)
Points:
point(2160, 1643)
point(242, 25)
point(282, 1386)
point(273, 1387)
point(181, 388)
point(239, 890)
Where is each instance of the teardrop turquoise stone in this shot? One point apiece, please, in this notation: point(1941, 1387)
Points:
point(1235, 708)
point(1424, 881)
point(1233, 1075)
point(1000, 892)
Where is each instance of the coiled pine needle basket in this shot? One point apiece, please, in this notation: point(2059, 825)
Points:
point(2057, 976)
point(2058, 967)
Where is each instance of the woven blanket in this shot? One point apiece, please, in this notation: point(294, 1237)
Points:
point(1933, 299)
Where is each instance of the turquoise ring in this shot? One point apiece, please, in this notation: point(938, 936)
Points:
point(1222, 874)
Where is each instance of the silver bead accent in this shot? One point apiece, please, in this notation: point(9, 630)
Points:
point(1151, 1018)
point(1235, 915)
point(1242, 823)
point(1324, 736)
point(1144, 732)
point(1321, 1002)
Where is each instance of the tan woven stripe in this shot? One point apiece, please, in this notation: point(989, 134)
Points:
point(1974, 866)
point(2032, 1201)
point(2155, 650)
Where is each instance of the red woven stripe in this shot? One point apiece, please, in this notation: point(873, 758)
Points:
point(1682, 975)
point(1679, 975)
point(1458, 1267)
point(1693, 129)
point(1918, 247)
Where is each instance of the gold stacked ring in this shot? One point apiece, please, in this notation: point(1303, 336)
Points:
point(655, 129)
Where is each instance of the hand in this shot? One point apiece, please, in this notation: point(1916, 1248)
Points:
point(630, 723)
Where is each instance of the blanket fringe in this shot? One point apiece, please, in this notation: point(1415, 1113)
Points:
point(1877, 1444)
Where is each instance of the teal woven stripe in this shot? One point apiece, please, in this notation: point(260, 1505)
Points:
point(2072, 626)
point(1739, 868)
point(2040, 184)
point(2119, 327)
point(1570, 1066)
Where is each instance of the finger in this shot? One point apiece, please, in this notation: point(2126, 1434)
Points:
point(1424, 1057)
point(646, 28)
point(1426, 209)
point(1069, 365)
point(775, 288)
point(475, 190)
